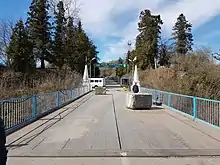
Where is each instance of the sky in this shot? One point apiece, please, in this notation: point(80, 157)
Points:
point(112, 23)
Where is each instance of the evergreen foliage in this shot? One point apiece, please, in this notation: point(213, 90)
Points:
point(19, 51)
point(182, 35)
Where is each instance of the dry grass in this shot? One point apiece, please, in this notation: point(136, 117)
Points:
point(194, 74)
point(15, 85)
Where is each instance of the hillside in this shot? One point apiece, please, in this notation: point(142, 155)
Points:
point(194, 74)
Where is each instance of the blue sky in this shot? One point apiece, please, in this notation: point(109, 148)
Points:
point(112, 23)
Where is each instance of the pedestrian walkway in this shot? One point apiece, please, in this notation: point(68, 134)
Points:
point(100, 130)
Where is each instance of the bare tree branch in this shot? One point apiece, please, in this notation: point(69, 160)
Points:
point(72, 8)
point(6, 27)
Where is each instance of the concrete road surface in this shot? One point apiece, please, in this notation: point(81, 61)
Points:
point(100, 130)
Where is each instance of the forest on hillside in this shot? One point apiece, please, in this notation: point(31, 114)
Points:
point(52, 34)
point(52, 37)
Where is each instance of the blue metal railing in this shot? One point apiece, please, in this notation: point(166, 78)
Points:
point(18, 111)
point(198, 108)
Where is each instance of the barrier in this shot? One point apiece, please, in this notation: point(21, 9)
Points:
point(202, 109)
point(18, 112)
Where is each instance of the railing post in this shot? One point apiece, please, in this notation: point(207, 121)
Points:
point(71, 93)
point(78, 92)
point(169, 99)
point(194, 108)
point(155, 95)
point(34, 111)
point(58, 99)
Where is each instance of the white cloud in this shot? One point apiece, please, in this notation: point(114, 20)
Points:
point(196, 11)
point(97, 17)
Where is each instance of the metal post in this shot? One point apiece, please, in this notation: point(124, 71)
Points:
point(58, 99)
point(155, 95)
point(132, 74)
point(194, 108)
point(169, 99)
point(94, 70)
point(90, 69)
point(127, 68)
point(34, 112)
point(71, 93)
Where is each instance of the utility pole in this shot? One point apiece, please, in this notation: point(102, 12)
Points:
point(94, 69)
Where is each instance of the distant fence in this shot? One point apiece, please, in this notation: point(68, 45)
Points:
point(19, 111)
point(198, 108)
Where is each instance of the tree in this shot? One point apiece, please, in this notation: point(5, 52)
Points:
point(182, 35)
point(19, 50)
point(72, 7)
point(6, 27)
point(120, 61)
point(39, 30)
point(85, 48)
point(149, 27)
point(128, 57)
point(72, 56)
point(120, 71)
point(79, 48)
point(165, 50)
point(82, 48)
point(93, 54)
point(59, 43)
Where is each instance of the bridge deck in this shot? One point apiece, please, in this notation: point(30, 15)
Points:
point(97, 126)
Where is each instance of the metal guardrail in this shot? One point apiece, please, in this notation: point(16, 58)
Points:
point(197, 108)
point(17, 112)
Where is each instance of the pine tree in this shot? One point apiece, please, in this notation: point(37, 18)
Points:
point(182, 35)
point(59, 45)
point(19, 50)
point(85, 48)
point(72, 56)
point(39, 29)
point(79, 49)
point(147, 41)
